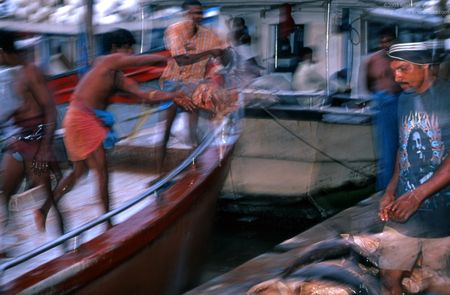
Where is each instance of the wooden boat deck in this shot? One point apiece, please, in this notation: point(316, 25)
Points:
point(129, 177)
point(79, 206)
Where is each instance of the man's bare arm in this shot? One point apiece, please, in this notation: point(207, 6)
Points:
point(38, 87)
point(130, 86)
point(389, 193)
point(188, 59)
point(392, 186)
point(121, 61)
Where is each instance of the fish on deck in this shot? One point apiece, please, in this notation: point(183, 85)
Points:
point(347, 265)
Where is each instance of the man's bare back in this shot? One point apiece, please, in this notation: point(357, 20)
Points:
point(379, 74)
point(32, 89)
point(99, 84)
point(106, 77)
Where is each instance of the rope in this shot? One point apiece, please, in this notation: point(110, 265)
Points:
point(142, 117)
point(277, 120)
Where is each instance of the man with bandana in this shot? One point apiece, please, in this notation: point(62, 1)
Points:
point(416, 202)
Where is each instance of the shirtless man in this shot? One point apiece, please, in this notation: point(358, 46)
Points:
point(29, 151)
point(87, 124)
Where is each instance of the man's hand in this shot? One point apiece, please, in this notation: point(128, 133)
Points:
point(184, 101)
point(405, 206)
point(216, 52)
point(189, 46)
point(385, 206)
point(40, 161)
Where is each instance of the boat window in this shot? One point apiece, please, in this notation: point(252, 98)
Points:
point(405, 32)
point(62, 54)
point(156, 39)
point(287, 49)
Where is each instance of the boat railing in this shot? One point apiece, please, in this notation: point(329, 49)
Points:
point(153, 189)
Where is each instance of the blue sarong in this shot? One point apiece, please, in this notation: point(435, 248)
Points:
point(107, 119)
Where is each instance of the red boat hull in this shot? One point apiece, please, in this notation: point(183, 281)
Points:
point(156, 251)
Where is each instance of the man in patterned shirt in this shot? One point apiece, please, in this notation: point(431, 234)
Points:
point(416, 202)
point(192, 47)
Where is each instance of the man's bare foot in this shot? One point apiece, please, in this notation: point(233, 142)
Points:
point(6, 253)
point(39, 220)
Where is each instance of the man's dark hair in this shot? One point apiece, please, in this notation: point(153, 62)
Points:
point(238, 21)
point(7, 40)
point(304, 51)
point(119, 38)
point(246, 39)
point(188, 3)
point(387, 32)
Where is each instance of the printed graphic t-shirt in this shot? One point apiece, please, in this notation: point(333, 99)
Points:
point(424, 140)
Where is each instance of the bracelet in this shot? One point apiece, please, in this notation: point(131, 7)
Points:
point(413, 194)
point(152, 94)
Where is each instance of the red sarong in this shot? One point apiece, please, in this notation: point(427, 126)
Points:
point(84, 132)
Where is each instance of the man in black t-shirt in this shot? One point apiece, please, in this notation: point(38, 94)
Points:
point(416, 203)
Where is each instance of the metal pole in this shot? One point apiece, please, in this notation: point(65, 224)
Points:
point(276, 46)
point(90, 30)
point(141, 50)
point(327, 48)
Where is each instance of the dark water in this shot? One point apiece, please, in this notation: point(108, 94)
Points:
point(237, 239)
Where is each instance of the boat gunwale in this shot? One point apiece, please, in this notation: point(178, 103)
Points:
point(116, 244)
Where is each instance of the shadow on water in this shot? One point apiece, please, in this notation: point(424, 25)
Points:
point(236, 239)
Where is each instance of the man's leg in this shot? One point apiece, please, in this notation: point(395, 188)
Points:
point(43, 178)
point(56, 171)
point(65, 185)
point(13, 173)
point(193, 126)
point(398, 255)
point(170, 116)
point(97, 162)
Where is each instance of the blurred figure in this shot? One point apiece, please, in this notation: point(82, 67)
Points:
point(241, 41)
point(307, 76)
point(29, 152)
point(286, 27)
point(191, 46)
point(385, 91)
point(88, 127)
point(415, 205)
point(339, 83)
point(238, 30)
